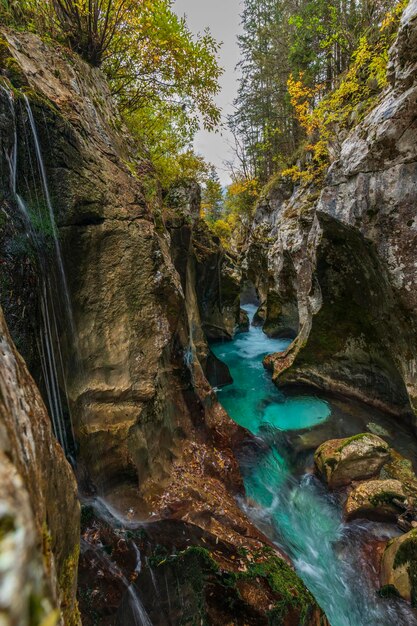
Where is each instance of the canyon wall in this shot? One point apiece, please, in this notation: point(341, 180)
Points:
point(336, 267)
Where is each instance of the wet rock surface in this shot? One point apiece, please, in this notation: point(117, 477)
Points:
point(399, 566)
point(184, 575)
point(147, 291)
point(39, 510)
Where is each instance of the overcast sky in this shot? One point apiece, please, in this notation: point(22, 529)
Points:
point(222, 17)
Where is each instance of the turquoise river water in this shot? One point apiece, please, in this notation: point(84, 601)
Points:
point(288, 503)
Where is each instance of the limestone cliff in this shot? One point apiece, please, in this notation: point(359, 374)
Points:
point(39, 510)
point(337, 267)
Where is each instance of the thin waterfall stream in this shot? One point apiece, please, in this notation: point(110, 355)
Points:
point(55, 310)
point(289, 503)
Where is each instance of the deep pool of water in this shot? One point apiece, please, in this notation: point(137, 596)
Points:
point(289, 503)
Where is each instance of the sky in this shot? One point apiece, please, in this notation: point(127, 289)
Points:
point(222, 17)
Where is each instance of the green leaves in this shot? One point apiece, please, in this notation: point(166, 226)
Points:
point(314, 39)
point(158, 59)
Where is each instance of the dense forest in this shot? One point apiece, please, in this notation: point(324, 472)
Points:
point(309, 72)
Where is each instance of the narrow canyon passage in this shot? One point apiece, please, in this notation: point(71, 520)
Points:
point(289, 503)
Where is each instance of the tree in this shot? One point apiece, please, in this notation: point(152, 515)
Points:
point(212, 201)
point(155, 57)
point(312, 39)
point(146, 50)
point(92, 27)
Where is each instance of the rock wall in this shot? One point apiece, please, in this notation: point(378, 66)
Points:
point(39, 509)
point(338, 265)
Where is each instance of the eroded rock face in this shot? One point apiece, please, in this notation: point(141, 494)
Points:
point(39, 509)
point(400, 468)
point(337, 266)
point(131, 392)
point(341, 461)
point(187, 576)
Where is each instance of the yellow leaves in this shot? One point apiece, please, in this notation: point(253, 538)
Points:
point(393, 16)
point(302, 99)
point(222, 229)
point(354, 95)
point(249, 186)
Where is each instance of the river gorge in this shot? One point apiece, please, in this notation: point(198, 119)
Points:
point(193, 433)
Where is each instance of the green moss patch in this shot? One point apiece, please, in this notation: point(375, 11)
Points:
point(407, 555)
point(267, 574)
point(385, 497)
point(67, 578)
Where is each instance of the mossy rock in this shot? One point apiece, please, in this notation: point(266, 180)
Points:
point(67, 585)
point(264, 589)
point(374, 500)
point(400, 468)
point(10, 67)
point(341, 461)
point(399, 566)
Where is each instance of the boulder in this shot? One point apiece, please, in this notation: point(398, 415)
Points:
point(244, 322)
point(374, 500)
point(340, 461)
point(400, 468)
point(399, 567)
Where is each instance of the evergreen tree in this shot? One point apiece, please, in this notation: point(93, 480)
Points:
point(313, 39)
point(212, 197)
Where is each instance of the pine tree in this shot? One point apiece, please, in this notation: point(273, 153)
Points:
point(312, 39)
point(212, 197)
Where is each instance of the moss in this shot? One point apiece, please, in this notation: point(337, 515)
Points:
point(350, 440)
point(358, 437)
point(67, 578)
point(7, 525)
point(400, 468)
point(36, 100)
point(385, 497)
point(196, 566)
point(197, 553)
point(10, 66)
point(193, 567)
point(407, 555)
point(284, 582)
point(388, 591)
point(46, 546)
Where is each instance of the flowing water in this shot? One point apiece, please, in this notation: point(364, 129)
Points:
point(53, 290)
point(289, 503)
point(131, 611)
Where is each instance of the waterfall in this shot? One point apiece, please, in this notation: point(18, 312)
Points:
point(53, 286)
point(131, 610)
point(58, 253)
